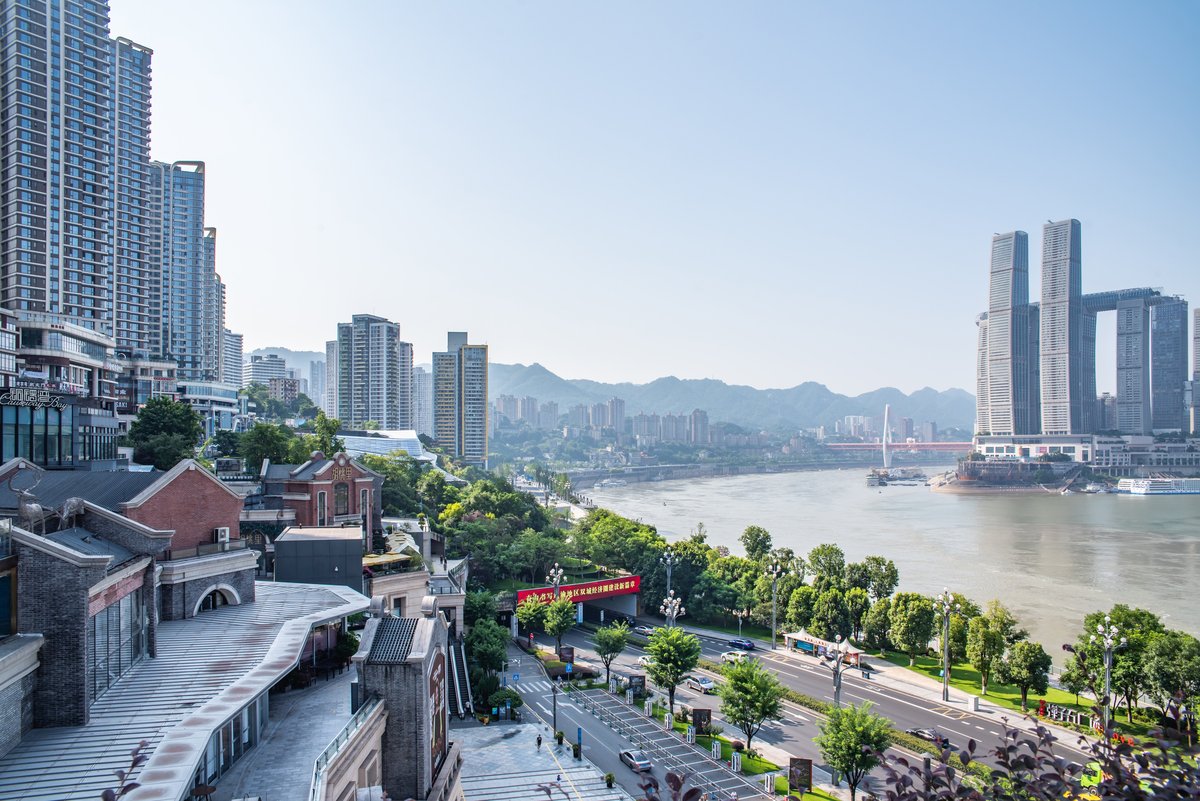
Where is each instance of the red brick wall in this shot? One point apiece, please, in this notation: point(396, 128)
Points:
point(193, 505)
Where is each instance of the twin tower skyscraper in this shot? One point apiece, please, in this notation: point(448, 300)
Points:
point(1036, 368)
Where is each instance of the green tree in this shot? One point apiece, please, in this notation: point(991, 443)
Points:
point(1075, 679)
point(674, 653)
point(165, 433)
point(884, 576)
point(851, 739)
point(265, 441)
point(479, 605)
point(985, 649)
point(324, 437)
point(610, 642)
point(531, 613)
point(828, 565)
point(1028, 667)
point(486, 645)
point(800, 607)
point(1005, 622)
point(560, 617)
point(911, 619)
point(857, 576)
point(830, 618)
point(226, 442)
point(857, 605)
point(757, 542)
point(505, 694)
point(1173, 669)
point(750, 697)
point(1140, 628)
point(877, 625)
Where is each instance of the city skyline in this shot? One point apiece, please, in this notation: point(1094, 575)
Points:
point(710, 175)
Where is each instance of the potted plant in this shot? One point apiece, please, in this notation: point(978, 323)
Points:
point(609, 779)
point(558, 737)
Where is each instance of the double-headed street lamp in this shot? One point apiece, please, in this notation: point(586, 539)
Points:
point(1107, 633)
point(669, 560)
point(672, 608)
point(948, 606)
point(774, 571)
point(741, 614)
point(555, 577)
point(835, 657)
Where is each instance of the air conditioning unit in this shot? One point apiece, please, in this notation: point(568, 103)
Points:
point(221, 534)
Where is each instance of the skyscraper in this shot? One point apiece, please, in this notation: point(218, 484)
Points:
point(460, 399)
point(374, 376)
point(1010, 370)
point(1062, 332)
point(330, 402)
point(423, 401)
point(983, 408)
point(1169, 352)
point(231, 358)
point(1133, 366)
point(316, 382)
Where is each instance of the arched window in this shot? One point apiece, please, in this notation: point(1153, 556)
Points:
point(213, 600)
point(322, 518)
point(341, 499)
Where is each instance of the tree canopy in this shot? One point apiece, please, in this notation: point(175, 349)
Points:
point(165, 433)
point(674, 653)
point(750, 696)
point(851, 741)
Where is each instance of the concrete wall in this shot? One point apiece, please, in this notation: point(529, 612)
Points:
point(406, 588)
point(177, 600)
point(358, 764)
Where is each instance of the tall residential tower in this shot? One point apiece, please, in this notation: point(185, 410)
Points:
point(1062, 332)
point(460, 399)
point(374, 374)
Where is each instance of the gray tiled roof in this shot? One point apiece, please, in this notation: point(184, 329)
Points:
point(393, 640)
point(107, 490)
point(84, 541)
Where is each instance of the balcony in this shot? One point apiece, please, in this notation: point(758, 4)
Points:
point(208, 549)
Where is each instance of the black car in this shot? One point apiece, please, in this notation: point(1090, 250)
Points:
point(742, 644)
point(933, 736)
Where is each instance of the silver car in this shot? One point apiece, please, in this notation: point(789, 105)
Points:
point(637, 760)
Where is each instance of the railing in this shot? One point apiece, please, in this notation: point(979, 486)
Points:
point(316, 790)
point(172, 554)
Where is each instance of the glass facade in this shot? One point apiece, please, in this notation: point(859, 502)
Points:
point(116, 640)
point(43, 435)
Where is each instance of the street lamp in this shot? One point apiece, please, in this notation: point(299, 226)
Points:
point(1108, 636)
point(669, 559)
point(741, 614)
point(948, 605)
point(555, 577)
point(774, 571)
point(554, 695)
point(672, 608)
point(835, 657)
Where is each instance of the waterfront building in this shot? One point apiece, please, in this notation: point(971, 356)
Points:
point(616, 414)
point(231, 358)
point(1011, 396)
point(423, 401)
point(1133, 366)
point(1061, 334)
point(261, 369)
point(698, 427)
point(1169, 350)
point(460, 399)
point(929, 431)
point(374, 373)
point(1106, 412)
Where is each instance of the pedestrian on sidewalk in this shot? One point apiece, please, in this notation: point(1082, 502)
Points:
point(539, 742)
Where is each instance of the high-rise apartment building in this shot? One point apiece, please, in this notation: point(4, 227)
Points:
point(616, 414)
point(423, 401)
point(1169, 360)
point(698, 428)
point(1133, 366)
point(330, 402)
point(460, 404)
point(1063, 410)
point(316, 382)
point(374, 373)
point(261, 369)
point(231, 358)
point(1011, 394)
point(548, 415)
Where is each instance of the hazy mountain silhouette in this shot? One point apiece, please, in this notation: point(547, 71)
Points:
point(804, 406)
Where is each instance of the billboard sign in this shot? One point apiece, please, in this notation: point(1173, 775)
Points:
point(588, 591)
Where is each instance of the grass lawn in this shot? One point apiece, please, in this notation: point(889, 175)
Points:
point(817, 794)
point(966, 678)
point(750, 765)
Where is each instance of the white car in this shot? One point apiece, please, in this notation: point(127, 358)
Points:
point(645, 660)
point(701, 684)
point(734, 657)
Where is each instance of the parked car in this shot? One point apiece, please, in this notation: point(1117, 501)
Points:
point(645, 660)
point(637, 760)
point(932, 735)
point(734, 656)
point(701, 684)
point(742, 644)
point(645, 631)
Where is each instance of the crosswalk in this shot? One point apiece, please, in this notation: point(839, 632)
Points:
point(537, 685)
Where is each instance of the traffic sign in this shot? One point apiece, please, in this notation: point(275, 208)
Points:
point(569, 667)
point(516, 677)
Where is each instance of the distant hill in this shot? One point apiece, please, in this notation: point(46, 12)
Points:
point(804, 406)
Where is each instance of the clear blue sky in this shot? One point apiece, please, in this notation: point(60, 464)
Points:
point(764, 193)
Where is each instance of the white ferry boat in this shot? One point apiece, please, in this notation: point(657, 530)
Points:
point(1159, 486)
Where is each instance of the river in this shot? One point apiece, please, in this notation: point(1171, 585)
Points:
point(1050, 558)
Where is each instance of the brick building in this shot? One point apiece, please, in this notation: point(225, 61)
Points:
point(325, 492)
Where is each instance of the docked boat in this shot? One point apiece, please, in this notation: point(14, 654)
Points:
point(1159, 486)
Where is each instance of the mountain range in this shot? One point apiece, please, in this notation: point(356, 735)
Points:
point(806, 405)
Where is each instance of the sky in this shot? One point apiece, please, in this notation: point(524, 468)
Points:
point(763, 193)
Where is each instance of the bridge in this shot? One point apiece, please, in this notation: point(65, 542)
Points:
point(944, 447)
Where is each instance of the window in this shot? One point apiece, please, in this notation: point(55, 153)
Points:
point(321, 514)
point(341, 499)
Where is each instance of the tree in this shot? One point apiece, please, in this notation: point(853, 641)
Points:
point(985, 649)
point(1139, 627)
point(884, 576)
point(226, 442)
point(852, 740)
point(750, 697)
point(1028, 667)
point(757, 542)
point(911, 619)
point(486, 646)
point(877, 625)
point(857, 604)
point(674, 653)
point(560, 617)
point(1173, 669)
point(610, 642)
point(1005, 622)
point(264, 441)
point(828, 565)
point(530, 613)
point(830, 618)
point(479, 605)
point(800, 607)
point(165, 433)
point(1074, 679)
point(324, 437)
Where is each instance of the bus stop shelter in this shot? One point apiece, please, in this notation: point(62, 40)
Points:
point(812, 645)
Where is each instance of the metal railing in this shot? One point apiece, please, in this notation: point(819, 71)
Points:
point(316, 790)
point(172, 554)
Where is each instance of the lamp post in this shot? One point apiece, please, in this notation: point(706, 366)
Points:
point(948, 605)
point(1107, 635)
point(554, 695)
point(774, 571)
point(672, 608)
point(669, 560)
point(835, 657)
point(741, 614)
point(555, 577)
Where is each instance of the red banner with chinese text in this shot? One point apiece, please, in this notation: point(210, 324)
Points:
point(589, 591)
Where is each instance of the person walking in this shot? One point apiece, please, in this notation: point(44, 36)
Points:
point(539, 742)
